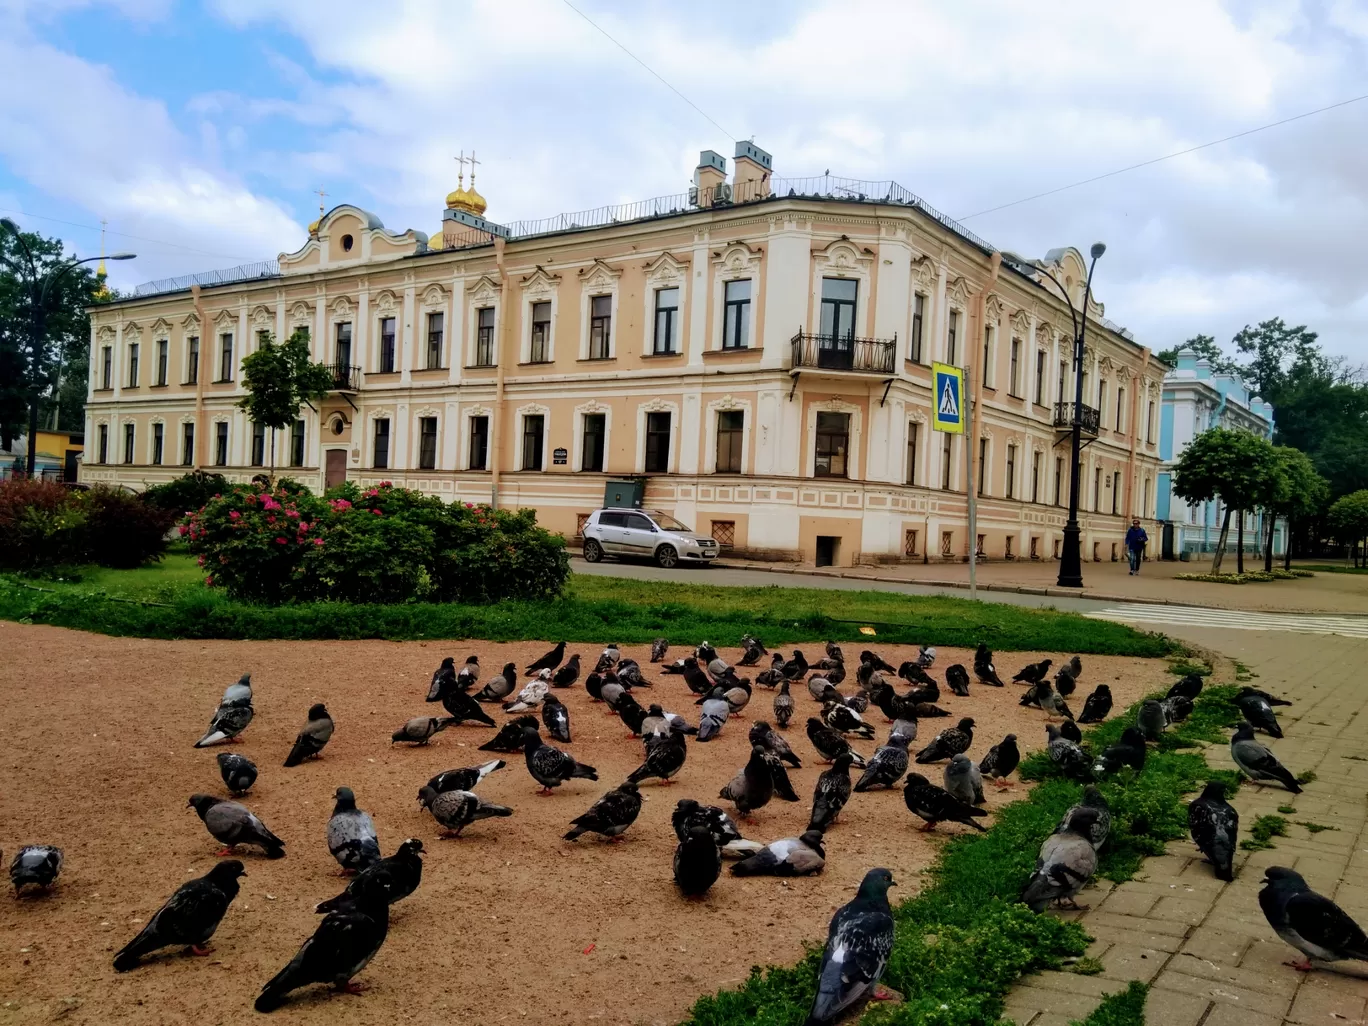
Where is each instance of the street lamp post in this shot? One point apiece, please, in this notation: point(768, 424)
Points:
point(39, 289)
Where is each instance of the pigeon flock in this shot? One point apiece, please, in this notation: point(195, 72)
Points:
point(356, 922)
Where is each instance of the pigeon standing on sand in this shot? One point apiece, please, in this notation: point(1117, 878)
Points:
point(948, 742)
point(499, 687)
point(957, 680)
point(1097, 705)
point(511, 736)
point(829, 743)
point(783, 705)
point(1258, 712)
point(665, 757)
point(1310, 922)
point(658, 649)
point(934, 804)
point(420, 730)
point(35, 865)
point(753, 787)
point(239, 693)
point(566, 676)
point(887, 765)
point(963, 780)
point(984, 669)
point(1096, 826)
point(239, 773)
point(456, 810)
point(314, 737)
point(839, 716)
point(442, 678)
point(716, 710)
point(530, 696)
point(397, 876)
point(1214, 823)
point(1151, 719)
point(1064, 681)
point(1258, 763)
point(549, 661)
point(232, 824)
point(1066, 863)
point(1033, 673)
point(556, 715)
point(351, 834)
point(830, 795)
point(459, 702)
point(611, 815)
point(697, 861)
point(465, 778)
point(232, 716)
point(466, 678)
point(1053, 703)
point(792, 856)
point(761, 733)
point(1001, 760)
point(551, 767)
point(859, 942)
point(688, 814)
point(189, 917)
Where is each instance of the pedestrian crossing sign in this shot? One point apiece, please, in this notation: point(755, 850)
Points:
point(947, 398)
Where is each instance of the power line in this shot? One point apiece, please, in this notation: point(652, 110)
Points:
point(649, 68)
point(1167, 156)
point(125, 235)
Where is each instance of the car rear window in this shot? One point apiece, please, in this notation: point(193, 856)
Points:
point(637, 522)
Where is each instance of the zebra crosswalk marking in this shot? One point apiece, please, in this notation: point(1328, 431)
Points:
point(1234, 619)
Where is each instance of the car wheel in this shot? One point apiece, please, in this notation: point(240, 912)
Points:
point(666, 557)
point(593, 551)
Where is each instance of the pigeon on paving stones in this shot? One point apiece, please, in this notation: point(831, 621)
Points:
point(935, 804)
point(948, 742)
point(556, 715)
point(318, 730)
point(1033, 673)
point(830, 743)
point(839, 716)
point(1001, 760)
point(549, 661)
point(499, 687)
point(442, 678)
point(1066, 863)
point(783, 787)
point(232, 824)
point(859, 942)
point(397, 876)
point(1098, 823)
point(342, 945)
point(1151, 719)
point(830, 795)
point(227, 723)
point(783, 705)
point(611, 815)
point(465, 778)
point(1176, 709)
point(1259, 713)
point(35, 865)
point(421, 729)
point(984, 669)
point(763, 734)
point(566, 676)
point(1067, 755)
point(665, 755)
point(530, 696)
point(1129, 750)
point(957, 680)
point(351, 834)
point(792, 856)
point(1097, 705)
point(1271, 700)
point(1258, 763)
point(1214, 824)
point(1068, 730)
point(189, 917)
point(1189, 686)
point(658, 649)
point(1310, 922)
point(887, 764)
point(456, 810)
point(753, 787)
point(963, 780)
point(716, 710)
point(697, 861)
point(239, 773)
point(551, 767)
point(511, 736)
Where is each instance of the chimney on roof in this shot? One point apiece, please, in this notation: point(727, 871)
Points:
point(710, 180)
point(754, 166)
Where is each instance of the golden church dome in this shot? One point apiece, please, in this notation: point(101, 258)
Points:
point(313, 226)
point(458, 199)
point(477, 202)
point(435, 239)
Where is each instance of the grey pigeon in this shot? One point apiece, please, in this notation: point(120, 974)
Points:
point(783, 705)
point(887, 764)
point(1151, 719)
point(611, 815)
point(1097, 705)
point(948, 742)
point(1128, 751)
point(456, 810)
point(466, 678)
point(763, 734)
point(1067, 755)
point(934, 804)
point(716, 710)
point(839, 716)
point(442, 678)
point(397, 876)
point(351, 834)
point(227, 723)
point(753, 787)
point(465, 778)
point(531, 695)
point(549, 766)
point(1097, 825)
point(421, 729)
point(830, 743)
point(792, 856)
point(1001, 760)
point(232, 824)
point(1054, 705)
point(926, 656)
point(688, 814)
point(35, 865)
point(1258, 713)
point(859, 942)
point(313, 738)
point(830, 795)
point(1214, 824)
point(189, 917)
point(905, 727)
point(499, 687)
point(658, 649)
point(556, 716)
point(963, 779)
point(1066, 863)
point(1257, 762)
point(1176, 708)
point(697, 861)
point(239, 773)
point(239, 693)
point(1310, 922)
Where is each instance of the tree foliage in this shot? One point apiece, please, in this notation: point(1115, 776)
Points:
point(1237, 467)
point(1348, 517)
point(1206, 348)
point(280, 377)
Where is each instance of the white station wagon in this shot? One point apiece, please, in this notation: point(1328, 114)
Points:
point(646, 534)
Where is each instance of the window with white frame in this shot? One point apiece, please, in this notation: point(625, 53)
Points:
point(427, 443)
point(600, 327)
point(258, 444)
point(1120, 409)
point(187, 445)
point(163, 360)
point(297, 444)
point(133, 349)
point(1010, 484)
point(731, 425)
point(1035, 476)
point(658, 442)
point(484, 337)
point(107, 367)
point(479, 443)
point(380, 447)
point(539, 343)
point(946, 439)
point(533, 441)
point(1040, 378)
point(913, 436)
point(436, 330)
point(103, 450)
point(832, 445)
point(221, 443)
point(129, 434)
point(736, 312)
point(951, 337)
point(666, 338)
point(595, 432)
point(1014, 369)
point(192, 359)
point(989, 371)
point(158, 442)
point(387, 348)
point(226, 356)
point(914, 352)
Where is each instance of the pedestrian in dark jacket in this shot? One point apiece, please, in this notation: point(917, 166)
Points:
point(1136, 540)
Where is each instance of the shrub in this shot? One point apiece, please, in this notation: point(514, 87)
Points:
point(121, 530)
point(44, 524)
point(186, 493)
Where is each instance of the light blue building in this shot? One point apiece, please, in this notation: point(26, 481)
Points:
point(1195, 399)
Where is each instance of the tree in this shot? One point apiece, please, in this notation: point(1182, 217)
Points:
point(1206, 348)
point(1348, 518)
point(1294, 490)
point(1233, 466)
point(280, 377)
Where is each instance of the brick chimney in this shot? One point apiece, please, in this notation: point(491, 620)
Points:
point(710, 173)
point(754, 167)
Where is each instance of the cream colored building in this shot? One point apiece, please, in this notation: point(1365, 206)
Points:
point(757, 350)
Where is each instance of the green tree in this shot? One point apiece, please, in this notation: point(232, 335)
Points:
point(1279, 356)
point(280, 377)
point(1294, 491)
point(1233, 466)
point(1348, 519)
point(1206, 348)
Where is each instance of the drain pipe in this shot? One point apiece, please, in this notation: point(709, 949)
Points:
point(1129, 508)
point(200, 426)
point(972, 414)
point(496, 429)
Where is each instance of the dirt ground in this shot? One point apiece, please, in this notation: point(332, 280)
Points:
point(511, 923)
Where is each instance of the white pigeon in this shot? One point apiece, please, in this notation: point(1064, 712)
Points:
point(531, 695)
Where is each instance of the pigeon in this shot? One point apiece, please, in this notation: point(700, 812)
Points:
point(1097, 705)
point(957, 680)
point(1054, 705)
point(839, 716)
point(697, 861)
point(1189, 686)
point(420, 729)
point(556, 716)
point(1258, 713)
point(1075, 665)
point(830, 743)
point(566, 676)
point(831, 794)
point(688, 814)
point(1068, 730)
point(963, 780)
point(661, 723)
point(551, 767)
point(1001, 760)
point(717, 668)
point(1213, 824)
point(984, 669)
point(227, 722)
point(1310, 922)
point(1064, 681)
point(1128, 751)
point(1033, 673)
point(458, 701)
point(833, 652)
point(312, 739)
point(893, 705)
point(752, 651)
point(398, 876)
point(737, 693)
point(948, 742)
point(716, 710)
point(239, 773)
point(934, 804)
point(510, 737)
point(612, 653)
point(1032, 695)
point(877, 662)
point(792, 856)
point(907, 728)
point(859, 942)
point(665, 755)
point(1176, 709)
point(466, 678)
point(763, 734)
point(456, 810)
point(677, 666)
point(529, 697)
point(611, 815)
point(1257, 762)
point(351, 834)
point(1098, 822)
point(343, 944)
point(629, 674)
point(612, 692)
point(1066, 863)
point(705, 653)
point(913, 672)
point(498, 688)
point(442, 678)
point(795, 668)
point(1264, 695)
point(887, 765)
point(35, 865)
point(783, 705)
point(1067, 755)
point(549, 661)
point(926, 655)
point(1151, 719)
point(465, 778)
point(239, 693)
point(818, 687)
point(232, 824)
point(189, 917)
point(658, 649)
point(753, 787)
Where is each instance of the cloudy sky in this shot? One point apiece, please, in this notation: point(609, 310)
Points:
point(201, 131)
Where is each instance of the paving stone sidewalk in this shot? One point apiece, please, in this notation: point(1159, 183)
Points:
point(1203, 945)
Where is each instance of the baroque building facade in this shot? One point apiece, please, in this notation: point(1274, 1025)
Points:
point(755, 354)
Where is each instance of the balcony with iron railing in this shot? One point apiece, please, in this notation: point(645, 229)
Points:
point(1066, 414)
point(346, 378)
point(844, 353)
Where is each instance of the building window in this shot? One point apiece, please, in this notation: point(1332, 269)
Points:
point(221, 443)
point(1149, 424)
point(945, 460)
point(1011, 472)
point(187, 445)
point(950, 337)
point(1040, 378)
point(343, 351)
point(1007, 552)
point(988, 376)
point(1059, 479)
point(386, 345)
point(736, 306)
point(540, 349)
point(128, 443)
point(1097, 489)
point(158, 436)
point(192, 360)
point(600, 327)
point(162, 360)
point(657, 443)
point(730, 432)
point(947, 540)
point(1035, 477)
point(297, 444)
point(1063, 373)
point(724, 533)
point(838, 309)
point(832, 443)
point(913, 436)
point(427, 443)
point(533, 427)
point(1014, 372)
point(918, 317)
point(581, 519)
point(1120, 409)
point(484, 337)
point(226, 356)
point(666, 321)
point(983, 466)
point(107, 367)
point(436, 324)
point(1116, 492)
point(258, 444)
point(104, 443)
point(133, 365)
point(910, 544)
point(595, 427)
point(381, 446)
point(1145, 505)
point(1102, 402)
point(978, 545)
point(479, 443)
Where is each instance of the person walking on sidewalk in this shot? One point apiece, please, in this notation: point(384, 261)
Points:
point(1136, 540)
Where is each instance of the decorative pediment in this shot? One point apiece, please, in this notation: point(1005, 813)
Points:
point(483, 290)
point(986, 432)
point(478, 411)
point(1021, 324)
point(727, 402)
point(666, 270)
point(386, 302)
point(106, 334)
point(301, 311)
point(843, 257)
point(1044, 333)
point(190, 322)
point(534, 410)
point(1104, 363)
point(656, 405)
point(993, 308)
point(262, 317)
point(162, 327)
point(958, 292)
point(225, 319)
point(593, 406)
point(131, 331)
point(434, 295)
point(342, 307)
point(736, 258)
point(925, 273)
point(835, 405)
point(379, 414)
point(599, 275)
point(539, 283)
point(917, 416)
point(426, 411)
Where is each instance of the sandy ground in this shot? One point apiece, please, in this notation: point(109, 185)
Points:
point(511, 923)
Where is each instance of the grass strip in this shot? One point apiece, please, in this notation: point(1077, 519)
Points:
point(964, 939)
point(1125, 1008)
point(1263, 831)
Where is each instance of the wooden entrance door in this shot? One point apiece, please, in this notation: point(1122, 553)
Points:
point(335, 467)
